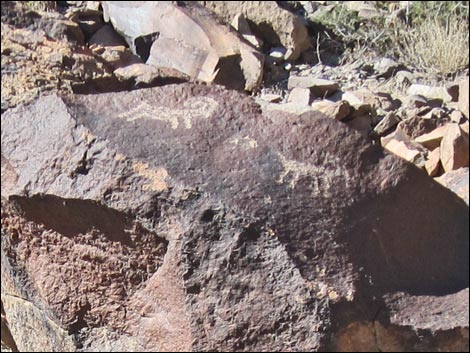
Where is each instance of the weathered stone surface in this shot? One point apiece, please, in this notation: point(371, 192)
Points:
point(271, 23)
point(365, 97)
point(402, 150)
point(387, 68)
point(457, 181)
point(464, 97)
point(319, 87)
point(301, 96)
point(241, 26)
point(182, 218)
point(37, 57)
point(389, 121)
point(417, 126)
point(432, 92)
point(335, 110)
point(188, 39)
point(432, 139)
point(106, 36)
point(454, 148)
point(433, 162)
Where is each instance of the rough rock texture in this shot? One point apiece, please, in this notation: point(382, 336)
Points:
point(457, 181)
point(182, 218)
point(271, 23)
point(464, 97)
point(37, 58)
point(187, 38)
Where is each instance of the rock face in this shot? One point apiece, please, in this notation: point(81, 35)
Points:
point(188, 39)
point(184, 219)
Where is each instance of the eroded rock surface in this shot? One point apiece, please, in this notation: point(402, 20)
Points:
point(183, 218)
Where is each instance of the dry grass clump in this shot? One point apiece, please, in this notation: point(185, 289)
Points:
point(435, 46)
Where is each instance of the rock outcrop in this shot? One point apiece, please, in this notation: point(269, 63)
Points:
point(183, 218)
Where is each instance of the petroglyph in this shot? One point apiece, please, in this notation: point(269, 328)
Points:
point(321, 176)
point(157, 177)
point(245, 142)
point(193, 108)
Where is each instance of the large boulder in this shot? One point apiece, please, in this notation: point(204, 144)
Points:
point(183, 218)
point(187, 38)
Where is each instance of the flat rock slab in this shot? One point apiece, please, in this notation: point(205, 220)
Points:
point(183, 218)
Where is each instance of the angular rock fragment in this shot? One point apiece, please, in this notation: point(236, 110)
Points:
point(457, 181)
point(431, 92)
point(183, 218)
point(433, 163)
point(301, 96)
point(454, 148)
point(402, 150)
point(271, 23)
point(321, 88)
point(241, 26)
point(335, 110)
point(432, 139)
point(464, 97)
point(188, 39)
point(389, 121)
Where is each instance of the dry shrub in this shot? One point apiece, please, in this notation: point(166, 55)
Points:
point(435, 46)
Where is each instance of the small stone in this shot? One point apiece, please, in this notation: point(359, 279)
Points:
point(432, 92)
point(320, 87)
point(432, 139)
point(139, 71)
point(417, 126)
point(436, 113)
point(301, 96)
point(335, 110)
point(416, 101)
point(291, 108)
point(271, 97)
point(433, 163)
point(400, 149)
point(454, 148)
point(277, 53)
point(386, 124)
point(379, 100)
point(387, 68)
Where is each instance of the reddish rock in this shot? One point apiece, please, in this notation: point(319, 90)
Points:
point(454, 148)
point(335, 110)
point(464, 97)
point(183, 218)
point(418, 126)
point(433, 163)
point(457, 181)
point(400, 149)
point(432, 139)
